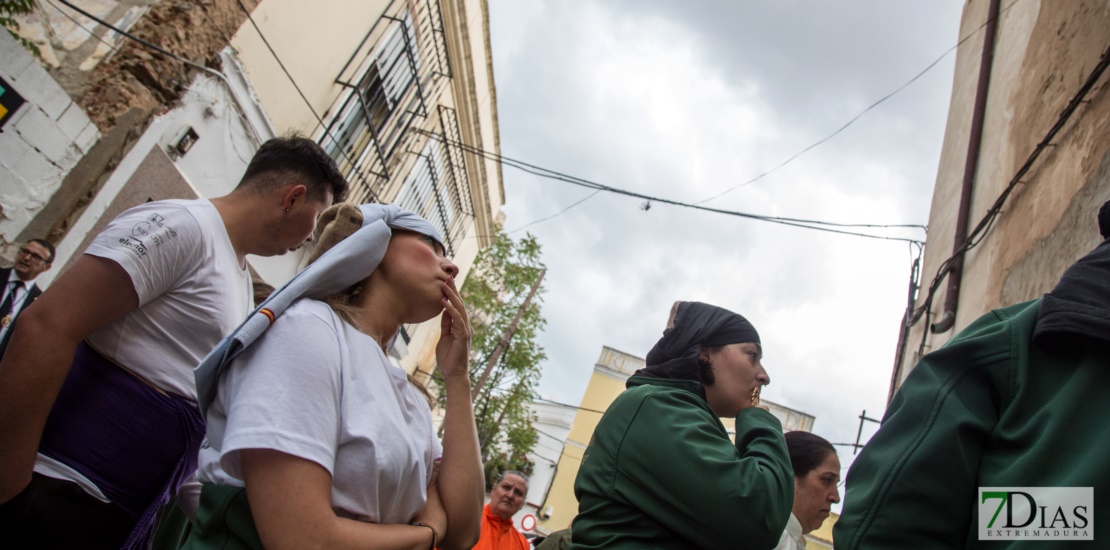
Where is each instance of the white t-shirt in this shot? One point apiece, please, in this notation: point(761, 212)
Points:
point(315, 387)
point(192, 290)
point(792, 538)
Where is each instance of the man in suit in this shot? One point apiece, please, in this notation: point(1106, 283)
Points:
point(20, 289)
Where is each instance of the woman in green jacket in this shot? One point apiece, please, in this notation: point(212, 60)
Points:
point(661, 471)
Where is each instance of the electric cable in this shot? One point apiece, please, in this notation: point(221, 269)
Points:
point(167, 53)
point(327, 131)
point(570, 406)
point(164, 52)
point(555, 215)
point(817, 225)
point(82, 27)
point(976, 236)
point(857, 117)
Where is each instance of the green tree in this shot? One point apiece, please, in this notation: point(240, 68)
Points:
point(495, 292)
point(9, 9)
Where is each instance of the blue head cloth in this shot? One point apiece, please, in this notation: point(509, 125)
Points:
point(348, 262)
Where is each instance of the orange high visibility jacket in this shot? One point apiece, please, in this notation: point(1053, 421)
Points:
point(499, 534)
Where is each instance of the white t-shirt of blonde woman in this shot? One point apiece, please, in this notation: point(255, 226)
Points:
point(192, 290)
point(316, 388)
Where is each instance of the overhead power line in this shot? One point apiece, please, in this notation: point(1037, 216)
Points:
point(557, 214)
point(339, 146)
point(83, 27)
point(977, 235)
point(857, 117)
point(817, 225)
point(154, 47)
point(570, 406)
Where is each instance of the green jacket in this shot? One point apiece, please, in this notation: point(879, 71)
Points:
point(661, 472)
point(989, 409)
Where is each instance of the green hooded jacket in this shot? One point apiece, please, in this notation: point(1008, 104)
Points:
point(661, 472)
point(989, 409)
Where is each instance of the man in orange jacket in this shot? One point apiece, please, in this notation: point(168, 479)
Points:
point(505, 500)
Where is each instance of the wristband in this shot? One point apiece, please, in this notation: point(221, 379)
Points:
point(435, 534)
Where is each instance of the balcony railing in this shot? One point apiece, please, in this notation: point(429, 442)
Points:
point(398, 71)
point(438, 187)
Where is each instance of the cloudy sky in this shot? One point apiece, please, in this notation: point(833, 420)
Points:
point(684, 100)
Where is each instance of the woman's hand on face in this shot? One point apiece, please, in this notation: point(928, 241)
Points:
point(433, 513)
point(453, 349)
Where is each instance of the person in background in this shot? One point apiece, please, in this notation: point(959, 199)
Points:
point(33, 258)
point(505, 500)
point(662, 472)
point(816, 476)
point(1016, 399)
point(316, 439)
point(98, 417)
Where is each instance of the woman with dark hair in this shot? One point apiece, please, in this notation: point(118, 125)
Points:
point(816, 476)
point(316, 438)
point(661, 471)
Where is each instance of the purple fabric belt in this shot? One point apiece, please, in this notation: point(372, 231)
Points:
point(136, 444)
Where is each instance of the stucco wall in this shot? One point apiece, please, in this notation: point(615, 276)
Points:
point(41, 142)
point(299, 35)
point(1044, 52)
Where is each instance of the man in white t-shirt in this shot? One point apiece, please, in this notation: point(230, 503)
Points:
point(98, 417)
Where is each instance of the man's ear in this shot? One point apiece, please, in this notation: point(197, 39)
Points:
point(47, 267)
point(292, 194)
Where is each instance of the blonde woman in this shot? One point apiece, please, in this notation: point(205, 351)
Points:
point(315, 439)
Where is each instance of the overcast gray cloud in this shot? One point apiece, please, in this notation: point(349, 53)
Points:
point(686, 99)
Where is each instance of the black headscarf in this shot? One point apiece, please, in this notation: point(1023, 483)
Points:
point(1079, 307)
point(692, 326)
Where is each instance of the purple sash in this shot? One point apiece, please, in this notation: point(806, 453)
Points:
point(136, 444)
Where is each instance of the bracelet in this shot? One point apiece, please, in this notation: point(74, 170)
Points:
point(435, 534)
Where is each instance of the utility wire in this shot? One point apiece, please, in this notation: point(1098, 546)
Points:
point(979, 233)
point(817, 225)
point(541, 432)
point(82, 27)
point(339, 146)
point(208, 70)
point(145, 43)
point(162, 51)
point(557, 214)
point(570, 406)
point(857, 117)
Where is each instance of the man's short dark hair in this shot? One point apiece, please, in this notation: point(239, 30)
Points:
point(281, 160)
point(49, 248)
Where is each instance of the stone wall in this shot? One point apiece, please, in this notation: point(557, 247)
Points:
point(119, 83)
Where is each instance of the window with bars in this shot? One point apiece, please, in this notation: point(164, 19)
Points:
point(428, 191)
point(363, 134)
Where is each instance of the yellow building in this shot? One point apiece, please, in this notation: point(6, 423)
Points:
point(822, 538)
point(607, 382)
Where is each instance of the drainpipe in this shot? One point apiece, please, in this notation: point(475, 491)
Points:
point(952, 296)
